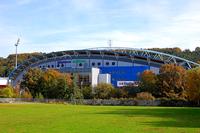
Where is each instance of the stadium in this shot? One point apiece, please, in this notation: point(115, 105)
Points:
point(116, 65)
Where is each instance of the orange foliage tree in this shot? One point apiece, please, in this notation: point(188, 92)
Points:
point(53, 84)
point(171, 81)
point(193, 85)
point(148, 82)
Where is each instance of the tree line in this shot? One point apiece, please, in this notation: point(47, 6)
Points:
point(172, 83)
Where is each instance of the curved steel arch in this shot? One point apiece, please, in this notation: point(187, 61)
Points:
point(150, 55)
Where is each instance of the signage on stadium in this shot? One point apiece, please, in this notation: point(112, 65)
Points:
point(125, 83)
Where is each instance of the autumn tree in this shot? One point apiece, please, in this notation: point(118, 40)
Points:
point(193, 85)
point(32, 80)
point(53, 84)
point(171, 81)
point(148, 82)
point(103, 91)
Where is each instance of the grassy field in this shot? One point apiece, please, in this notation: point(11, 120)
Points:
point(58, 118)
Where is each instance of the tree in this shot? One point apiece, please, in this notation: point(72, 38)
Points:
point(6, 92)
point(197, 49)
point(76, 91)
point(193, 85)
point(53, 84)
point(131, 90)
point(148, 82)
point(32, 80)
point(87, 92)
point(171, 81)
point(69, 80)
point(103, 91)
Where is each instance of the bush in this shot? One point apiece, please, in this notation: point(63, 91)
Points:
point(39, 96)
point(144, 96)
point(103, 91)
point(119, 93)
point(87, 92)
point(132, 91)
point(26, 94)
point(77, 94)
point(7, 92)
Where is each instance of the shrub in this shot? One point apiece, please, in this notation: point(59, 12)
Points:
point(87, 92)
point(131, 91)
point(119, 93)
point(103, 91)
point(144, 96)
point(6, 92)
point(26, 94)
point(39, 96)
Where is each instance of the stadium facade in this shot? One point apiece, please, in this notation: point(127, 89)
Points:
point(118, 66)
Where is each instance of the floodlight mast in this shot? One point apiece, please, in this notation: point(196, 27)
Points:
point(16, 44)
point(110, 43)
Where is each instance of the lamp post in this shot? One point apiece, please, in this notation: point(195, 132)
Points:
point(16, 44)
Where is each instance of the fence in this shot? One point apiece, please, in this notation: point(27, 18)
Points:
point(114, 102)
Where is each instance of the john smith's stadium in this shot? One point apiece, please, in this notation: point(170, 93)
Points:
point(116, 65)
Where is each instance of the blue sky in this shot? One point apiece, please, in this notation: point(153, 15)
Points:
point(52, 25)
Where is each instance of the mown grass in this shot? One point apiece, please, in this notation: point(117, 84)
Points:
point(52, 118)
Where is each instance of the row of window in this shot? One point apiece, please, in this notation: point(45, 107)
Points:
point(107, 63)
point(80, 65)
point(52, 66)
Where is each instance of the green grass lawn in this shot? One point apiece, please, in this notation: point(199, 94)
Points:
point(59, 118)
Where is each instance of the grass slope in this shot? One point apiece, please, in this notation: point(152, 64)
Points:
point(52, 118)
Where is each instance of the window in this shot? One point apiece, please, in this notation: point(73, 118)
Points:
point(52, 66)
point(93, 64)
point(58, 65)
point(80, 64)
point(107, 63)
point(48, 66)
point(113, 63)
point(99, 63)
point(62, 65)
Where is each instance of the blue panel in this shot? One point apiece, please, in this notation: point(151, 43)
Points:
point(123, 73)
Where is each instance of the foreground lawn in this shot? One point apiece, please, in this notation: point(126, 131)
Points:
point(58, 118)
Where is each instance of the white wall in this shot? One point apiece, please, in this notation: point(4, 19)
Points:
point(104, 78)
point(3, 81)
point(95, 74)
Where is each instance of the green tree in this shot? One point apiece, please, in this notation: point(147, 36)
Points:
point(87, 92)
point(6, 92)
point(76, 91)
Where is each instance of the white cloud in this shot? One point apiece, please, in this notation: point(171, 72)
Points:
point(23, 2)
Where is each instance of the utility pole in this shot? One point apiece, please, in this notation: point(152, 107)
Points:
point(110, 43)
point(16, 44)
